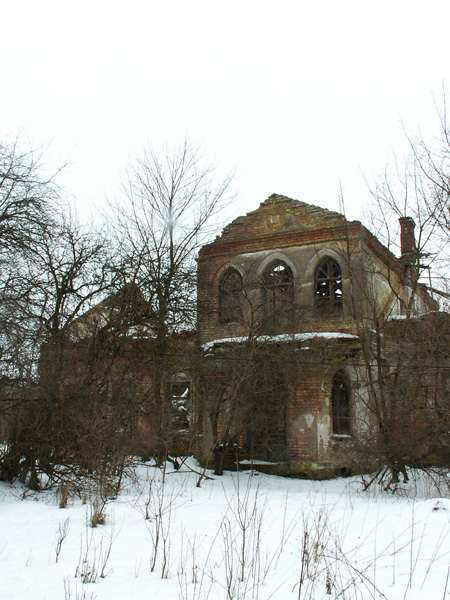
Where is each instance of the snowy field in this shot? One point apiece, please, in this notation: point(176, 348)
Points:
point(236, 536)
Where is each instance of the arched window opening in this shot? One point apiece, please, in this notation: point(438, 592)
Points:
point(328, 286)
point(181, 404)
point(230, 297)
point(278, 288)
point(340, 399)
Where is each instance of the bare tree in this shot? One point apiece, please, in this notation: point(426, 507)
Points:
point(27, 201)
point(405, 362)
point(72, 271)
point(67, 270)
point(404, 367)
point(169, 208)
point(418, 186)
point(431, 157)
point(26, 196)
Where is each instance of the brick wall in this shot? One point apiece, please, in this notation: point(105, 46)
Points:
point(300, 235)
point(292, 231)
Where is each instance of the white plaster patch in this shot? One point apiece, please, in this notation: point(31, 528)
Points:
point(309, 420)
point(323, 432)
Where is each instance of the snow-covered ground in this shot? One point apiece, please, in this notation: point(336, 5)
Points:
point(236, 536)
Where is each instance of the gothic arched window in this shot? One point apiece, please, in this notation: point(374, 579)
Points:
point(230, 297)
point(278, 287)
point(328, 286)
point(340, 401)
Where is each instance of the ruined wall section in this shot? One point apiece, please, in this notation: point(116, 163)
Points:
point(282, 229)
point(301, 236)
point(310, 433)
point(278, 214)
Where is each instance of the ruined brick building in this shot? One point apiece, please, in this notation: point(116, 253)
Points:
point(293, 303)
point(288, 296)
point(101, 375)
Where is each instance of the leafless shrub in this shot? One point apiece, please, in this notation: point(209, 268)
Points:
point(94, 558)
point(158, 524)
point(63, 530)
point(157, 509)
point(424, 483)
point(97, 512)
point(78, 595)
point(64, 493)
point(192, 577)
point(245, 560)
point(326, 568)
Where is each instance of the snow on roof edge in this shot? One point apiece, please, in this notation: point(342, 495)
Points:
point(284, 337)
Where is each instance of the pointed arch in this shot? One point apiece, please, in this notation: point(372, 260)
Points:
point(230, 297)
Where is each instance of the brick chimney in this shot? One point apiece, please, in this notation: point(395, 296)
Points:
point(407, 238)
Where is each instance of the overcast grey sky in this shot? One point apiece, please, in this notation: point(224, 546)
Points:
point(299, 96)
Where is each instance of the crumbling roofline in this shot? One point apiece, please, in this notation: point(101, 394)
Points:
point(283, 240)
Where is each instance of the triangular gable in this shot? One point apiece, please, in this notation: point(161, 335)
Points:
point(279, 214)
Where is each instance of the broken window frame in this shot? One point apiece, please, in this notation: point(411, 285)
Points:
point(328, 286)
point(340, 404)
point(230, 297)
point(278, 287)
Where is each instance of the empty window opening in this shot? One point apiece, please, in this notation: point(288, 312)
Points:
point(278, 287)
point(230, 297)
point(328, 286)
point(181, 399)
point(340, 398)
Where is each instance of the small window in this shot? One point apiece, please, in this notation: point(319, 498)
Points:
point(230, 297)
point(181, 396)
point(328, 286)
point(340, 399)
point(278, 288)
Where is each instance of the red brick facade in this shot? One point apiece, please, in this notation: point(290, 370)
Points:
point(299, 238)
